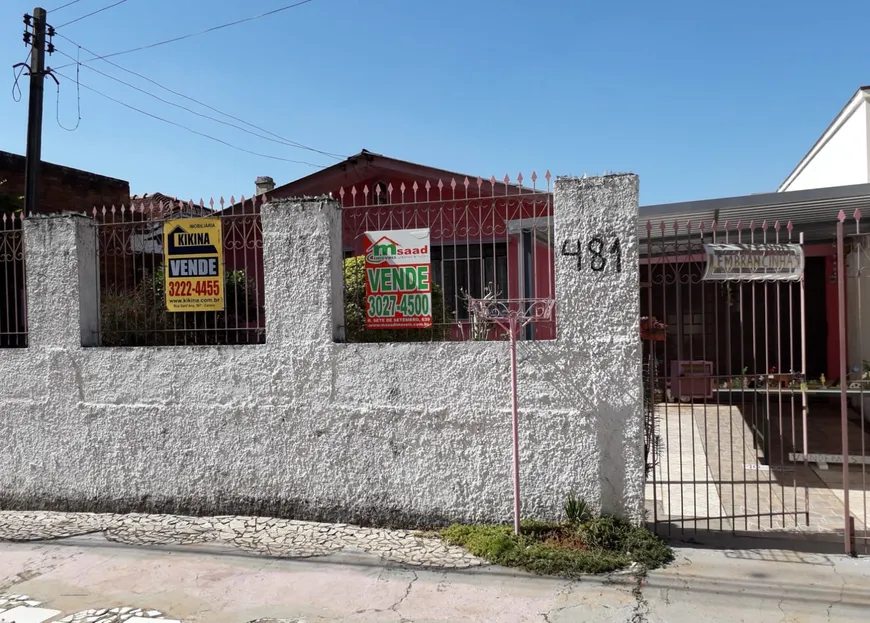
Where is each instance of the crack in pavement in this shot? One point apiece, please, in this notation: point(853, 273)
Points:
point(560, 593)
point(641, 608)
point(401, 599)
point(842, 589)
point(784, 615)
point(405, 596)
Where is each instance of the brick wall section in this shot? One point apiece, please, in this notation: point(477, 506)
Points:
point(63, 189)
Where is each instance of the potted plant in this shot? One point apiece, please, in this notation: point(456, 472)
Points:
point(652, 329)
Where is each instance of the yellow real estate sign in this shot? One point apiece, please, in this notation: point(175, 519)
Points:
point(193, 266)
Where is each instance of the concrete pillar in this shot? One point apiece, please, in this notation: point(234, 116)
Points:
point(62, 281)
point(302, 270)
point(597, 293)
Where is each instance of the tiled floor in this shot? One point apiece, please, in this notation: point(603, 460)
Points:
point(684, 486)
point(714, 462)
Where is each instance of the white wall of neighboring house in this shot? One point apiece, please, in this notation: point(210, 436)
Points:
point(841, 157)
point(857, 309)
point(151, 241)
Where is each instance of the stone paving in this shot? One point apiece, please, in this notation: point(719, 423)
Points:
point(124, 614)
point(7, 602)
point(26, 609)
point(23, 608)
point(282, 538)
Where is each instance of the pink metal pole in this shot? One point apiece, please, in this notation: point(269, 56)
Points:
point(804, 403)
point(844, 385)
point(516, 436)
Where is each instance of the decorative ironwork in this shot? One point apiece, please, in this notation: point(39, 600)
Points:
point(726, 455)
point(448, 219)
point(11, 246)
point(13, 282)
point(482, 232)
point(519, 311)
point(130, 261)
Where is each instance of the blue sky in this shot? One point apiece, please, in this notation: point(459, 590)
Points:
point(701, 99)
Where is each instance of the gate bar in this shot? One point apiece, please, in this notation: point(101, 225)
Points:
point(848, 526)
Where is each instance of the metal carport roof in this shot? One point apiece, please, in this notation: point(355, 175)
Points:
point(813, 212)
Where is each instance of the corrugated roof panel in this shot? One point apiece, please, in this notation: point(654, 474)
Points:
point(813, 212)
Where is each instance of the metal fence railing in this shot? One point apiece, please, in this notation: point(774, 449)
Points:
point(13, 283)
point(725, 336)
point(853, 255)
point(167, 280)
point(486, 239)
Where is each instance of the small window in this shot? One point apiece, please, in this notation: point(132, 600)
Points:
point(380, 195)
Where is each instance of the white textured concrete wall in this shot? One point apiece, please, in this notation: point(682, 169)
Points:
point(399, 434)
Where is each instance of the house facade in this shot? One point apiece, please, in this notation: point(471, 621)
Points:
point(833, 176)
point(63, 189)
point(487, 236)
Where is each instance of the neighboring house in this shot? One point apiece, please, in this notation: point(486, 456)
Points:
point(64, 189)
point(131, 237)
point(841, 155)
point(834, 175)
point(61, 189)
point(482, 231)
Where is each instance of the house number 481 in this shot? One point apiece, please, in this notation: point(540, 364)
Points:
point(598, 250)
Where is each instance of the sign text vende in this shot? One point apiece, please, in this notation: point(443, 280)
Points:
point(398, 279)
point(193, 264)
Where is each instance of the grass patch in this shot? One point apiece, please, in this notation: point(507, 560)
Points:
point(597, 545)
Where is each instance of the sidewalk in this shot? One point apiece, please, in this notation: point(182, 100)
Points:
point(223, 582)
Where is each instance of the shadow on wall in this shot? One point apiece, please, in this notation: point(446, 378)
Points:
point(381, 512)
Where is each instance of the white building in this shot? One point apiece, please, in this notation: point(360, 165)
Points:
point(841, 156)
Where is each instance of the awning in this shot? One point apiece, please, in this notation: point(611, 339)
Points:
point(812, 212)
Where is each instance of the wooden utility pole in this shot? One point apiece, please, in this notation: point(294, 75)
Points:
point(34, 34)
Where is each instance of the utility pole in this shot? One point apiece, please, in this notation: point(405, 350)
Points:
point(34, 35)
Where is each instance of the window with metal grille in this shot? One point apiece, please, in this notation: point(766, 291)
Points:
point(469, 269)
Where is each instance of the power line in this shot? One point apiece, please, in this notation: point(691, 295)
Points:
point(78, 19)
point(78, 102)
point(280, 139)
point(199, 114)
point(195, 34)
point(63, 6)
point(184, 127)
point(15, 86)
